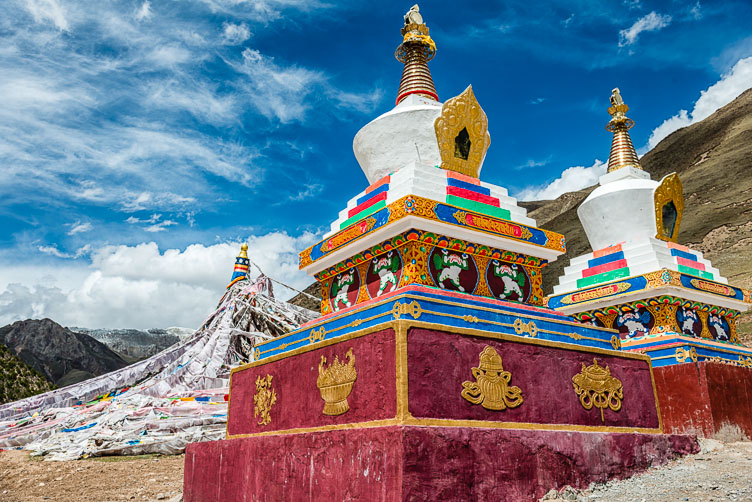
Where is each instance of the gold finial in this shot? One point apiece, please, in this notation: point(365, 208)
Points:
point(415, 51)
point(623, 153)
point(243, 251)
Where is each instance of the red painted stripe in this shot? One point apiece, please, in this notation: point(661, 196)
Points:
point(470, 195)
point(673, 245)
point(689, 263)
point(417, 91)
point(463, 177)
point(605, 251)
point(370, 202)
point(376, 185)
point(606, 267)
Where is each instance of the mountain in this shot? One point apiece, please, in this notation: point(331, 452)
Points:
point(19, 380)
point(714, 161)
point(305, 299)
point(62, 356)
point(134, 344)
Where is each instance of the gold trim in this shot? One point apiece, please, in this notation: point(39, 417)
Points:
point(462, 113)
point(446, 422)
point(670, 190)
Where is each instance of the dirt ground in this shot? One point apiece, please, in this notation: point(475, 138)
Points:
point(720, 472)
point(146, 477)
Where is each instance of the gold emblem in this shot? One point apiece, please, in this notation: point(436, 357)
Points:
point(462, 134)
point(615, 342)
point(335, 383)
point(491, 388)
point(521, 327)
point(596, 387)
point(683, 354)
point(264, 399)
point(412, 309)
point(669, 206)
point(712, 287)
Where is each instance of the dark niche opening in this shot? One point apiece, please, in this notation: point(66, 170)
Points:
point(462, 144)
point(669, 219)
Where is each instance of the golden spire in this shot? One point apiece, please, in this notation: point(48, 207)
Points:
point(622, 150)
point(415, 51)
point(243, 251)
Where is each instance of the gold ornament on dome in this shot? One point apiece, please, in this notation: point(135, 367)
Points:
point(596, 387)
point(491, 388)
point(264, 399)
point(669, 206)
point(335, 383)
point(462, 134)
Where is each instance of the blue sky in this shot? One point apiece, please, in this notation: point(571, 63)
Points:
point(140, 141)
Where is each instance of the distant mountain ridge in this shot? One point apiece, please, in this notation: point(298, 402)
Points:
point(18, 380)
point(62, 356)
point(136, 344)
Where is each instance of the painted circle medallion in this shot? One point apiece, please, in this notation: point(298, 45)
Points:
point(508, 281)
point(343, 291)
point(453, 270)
point(689, 321)
point(384, 273)
point(634, 322)
point(719, 327)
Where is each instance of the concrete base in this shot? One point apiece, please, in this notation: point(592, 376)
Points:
point(701, 398)
point(400, 462)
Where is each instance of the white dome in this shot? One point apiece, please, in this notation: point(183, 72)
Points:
point(403, 135)
point(620, 209)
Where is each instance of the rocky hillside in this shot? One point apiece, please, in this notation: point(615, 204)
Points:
point(305, 300)
point(19, 380)
point(714, 160)
point(134, 344)
point(62, 356)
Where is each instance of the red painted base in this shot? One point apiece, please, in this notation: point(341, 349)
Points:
point(700, 398)
point(398, 463)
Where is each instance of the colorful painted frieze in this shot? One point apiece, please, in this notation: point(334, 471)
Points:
point(428, 259)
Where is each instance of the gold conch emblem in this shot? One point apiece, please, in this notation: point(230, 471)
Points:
point(596, 387)
point(491, 388)
point(335, 383)
point(264, 399)
point(462, 134)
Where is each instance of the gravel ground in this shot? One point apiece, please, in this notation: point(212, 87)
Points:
point(720, 472)
point(27, 479)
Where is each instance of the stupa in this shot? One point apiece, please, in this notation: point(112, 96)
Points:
point(435, 371)
point(665, 299)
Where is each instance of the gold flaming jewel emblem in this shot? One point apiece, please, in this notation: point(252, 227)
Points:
point(491, 388)
point(264, 399)
point(596, 387)
point(336, 382)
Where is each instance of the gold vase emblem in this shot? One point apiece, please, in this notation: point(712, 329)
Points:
point(596, 387)
point(491, 388)
point(264, 399)
point(335, 383)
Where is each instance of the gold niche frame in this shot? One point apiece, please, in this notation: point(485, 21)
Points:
point(669, 191)
point(463, 115)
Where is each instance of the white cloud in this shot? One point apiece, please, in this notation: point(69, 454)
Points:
point(571, 179)
point(696, 11)
point(718, 95)
point(143, 12)
point(48, 10)
point(143, 287)
point(77, 227)
point(649, 22)
point(234, 34)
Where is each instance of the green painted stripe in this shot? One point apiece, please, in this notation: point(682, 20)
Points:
point(604, 277)
point(363, 214)
point(697, 273)
point(479, 207)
